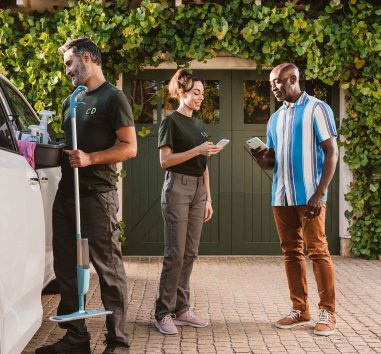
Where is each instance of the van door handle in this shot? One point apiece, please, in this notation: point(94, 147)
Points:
point(44, 179)
point(33, 181)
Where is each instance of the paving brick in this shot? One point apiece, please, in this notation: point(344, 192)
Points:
point(242, 297)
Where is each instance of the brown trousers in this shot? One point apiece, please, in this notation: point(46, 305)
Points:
point(294, 230)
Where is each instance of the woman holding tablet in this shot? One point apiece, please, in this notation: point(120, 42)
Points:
point(185, 201)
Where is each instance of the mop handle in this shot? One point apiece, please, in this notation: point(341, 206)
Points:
point(73, 116)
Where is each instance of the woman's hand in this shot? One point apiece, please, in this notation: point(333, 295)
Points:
point(208, 149)
point(208, 211)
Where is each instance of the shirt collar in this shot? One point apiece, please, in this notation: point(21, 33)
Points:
point(299, 102)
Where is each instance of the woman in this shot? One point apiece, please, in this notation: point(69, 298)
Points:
point(186, 203)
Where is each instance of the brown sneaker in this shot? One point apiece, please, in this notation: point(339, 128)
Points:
point(190, 319)
point(326, 324)
point(293, 319)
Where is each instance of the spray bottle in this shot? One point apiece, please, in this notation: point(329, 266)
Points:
point(35, 134)
point(45, 115)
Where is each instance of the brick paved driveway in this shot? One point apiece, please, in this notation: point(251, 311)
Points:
point(242, 297)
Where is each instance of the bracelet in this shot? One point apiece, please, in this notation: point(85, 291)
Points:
point(209, 200)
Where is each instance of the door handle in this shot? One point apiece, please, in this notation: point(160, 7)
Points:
point(44, 179)
point(33, 181)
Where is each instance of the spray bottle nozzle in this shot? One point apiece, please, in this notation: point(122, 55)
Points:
point(46, 113)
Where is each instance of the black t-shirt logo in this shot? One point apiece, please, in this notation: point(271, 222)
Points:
point(204, 134)
point(91, 110)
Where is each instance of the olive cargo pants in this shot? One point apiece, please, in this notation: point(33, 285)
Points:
point(99, 226)
point(183, 207)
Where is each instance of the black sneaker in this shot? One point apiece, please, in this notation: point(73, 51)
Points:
point(63, 346)
point(115, 347)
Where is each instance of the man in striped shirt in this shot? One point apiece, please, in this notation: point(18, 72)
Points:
point(302, 150)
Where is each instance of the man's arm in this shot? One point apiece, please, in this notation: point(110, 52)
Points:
point(124, 149)
point(331, 154)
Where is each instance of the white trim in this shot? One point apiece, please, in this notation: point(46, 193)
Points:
point(345, 179)
point(179, 2)
point(218, 63)
point(22, 3)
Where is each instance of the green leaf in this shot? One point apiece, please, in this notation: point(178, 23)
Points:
point(339, 43)
point(143, 132)
point(373, 187)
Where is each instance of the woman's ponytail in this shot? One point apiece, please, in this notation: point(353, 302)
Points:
point(182, 80)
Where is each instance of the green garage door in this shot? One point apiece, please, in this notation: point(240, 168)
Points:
point(237, 106)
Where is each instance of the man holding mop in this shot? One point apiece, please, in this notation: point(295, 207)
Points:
point(106, 135)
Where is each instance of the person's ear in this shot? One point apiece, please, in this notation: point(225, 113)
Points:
point(293, 79)
point(86, 57)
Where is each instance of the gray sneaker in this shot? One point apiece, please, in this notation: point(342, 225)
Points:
point(190, 319)
point(166, 325)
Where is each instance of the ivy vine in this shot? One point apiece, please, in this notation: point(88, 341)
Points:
point(339, 43)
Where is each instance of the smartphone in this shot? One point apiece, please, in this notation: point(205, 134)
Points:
point(255, 143)
point(223, 142)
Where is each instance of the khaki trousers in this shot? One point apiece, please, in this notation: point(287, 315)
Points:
point(294, 230)
point(183, 207)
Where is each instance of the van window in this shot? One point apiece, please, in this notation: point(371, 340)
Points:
point(5, 135)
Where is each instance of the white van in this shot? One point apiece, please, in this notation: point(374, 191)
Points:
point(26, 198)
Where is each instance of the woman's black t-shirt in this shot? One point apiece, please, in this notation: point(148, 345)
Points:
point(182, 133)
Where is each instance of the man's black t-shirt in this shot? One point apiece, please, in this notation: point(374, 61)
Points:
point(182, 133)
point(106, 109)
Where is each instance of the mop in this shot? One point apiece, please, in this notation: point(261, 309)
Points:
point(83, 259)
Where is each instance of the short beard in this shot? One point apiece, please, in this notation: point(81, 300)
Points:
point(81, 74)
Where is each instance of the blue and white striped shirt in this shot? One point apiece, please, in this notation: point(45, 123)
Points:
point(295, 133)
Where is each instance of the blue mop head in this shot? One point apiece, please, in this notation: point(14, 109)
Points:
point(79, 315)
